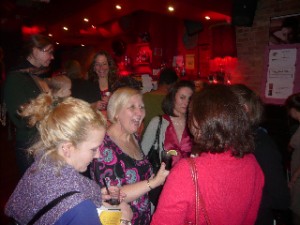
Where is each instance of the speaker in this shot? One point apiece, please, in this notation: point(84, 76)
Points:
point(243, 12)
point(193, 27)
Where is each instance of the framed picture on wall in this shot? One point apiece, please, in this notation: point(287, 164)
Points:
point(284, 29)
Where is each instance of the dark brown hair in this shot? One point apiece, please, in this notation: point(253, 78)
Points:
point(168, 102)
point(293, 101)
point(112, 74)
point(219, 123)
point(251, 102)
point(36, 41)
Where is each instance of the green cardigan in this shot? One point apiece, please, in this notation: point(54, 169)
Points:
point(19, 88)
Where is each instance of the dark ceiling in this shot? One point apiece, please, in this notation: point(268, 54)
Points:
point(51, 15)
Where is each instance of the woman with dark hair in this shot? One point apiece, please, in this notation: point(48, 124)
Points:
point(23, 84)
point(103, 73)
point(275, 193)
point(293, 108)
point(174, 134)
point(229, 177)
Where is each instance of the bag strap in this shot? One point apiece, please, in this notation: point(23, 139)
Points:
point(158, 131)
point(50, 205)
point(198, 199)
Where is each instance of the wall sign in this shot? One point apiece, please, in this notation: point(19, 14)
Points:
point(282, 73)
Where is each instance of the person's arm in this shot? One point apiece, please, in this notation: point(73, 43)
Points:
point(176, 197)
point(18, 90)
point(83, 213)
point(136, 190)
point(149, 135)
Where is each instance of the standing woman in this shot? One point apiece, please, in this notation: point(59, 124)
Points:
point(122, 162)
point(103, 73)
point(229, 177)
point(23, 84)
point(293, 107)
point(174, 133)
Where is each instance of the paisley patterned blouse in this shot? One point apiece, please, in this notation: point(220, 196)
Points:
point(117, 167)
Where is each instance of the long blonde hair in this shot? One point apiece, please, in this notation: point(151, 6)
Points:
point(59, 121)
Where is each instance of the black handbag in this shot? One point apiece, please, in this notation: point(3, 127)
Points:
point(153, 154)
point(154, 159)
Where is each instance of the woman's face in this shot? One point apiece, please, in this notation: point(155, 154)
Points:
point(65, 91)
point(132, 114)
point(294, 114)
point(42, 57)
point(182, 99)
point(83, 154)
point(101, 66)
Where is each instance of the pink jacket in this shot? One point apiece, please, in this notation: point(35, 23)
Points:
point(231, 188)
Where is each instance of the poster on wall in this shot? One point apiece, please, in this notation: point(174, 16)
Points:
point(284, 29)
point(282, 76)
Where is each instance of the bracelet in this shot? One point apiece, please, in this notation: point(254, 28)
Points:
point(126, 222)
point(148, 183)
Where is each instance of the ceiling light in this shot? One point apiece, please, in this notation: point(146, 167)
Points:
point(65, 28)
point(50, 35)
point(82, 45)
point(207, 17)
point(118, 7)
point(57, 43)
point(86, 20)
point(171, 8)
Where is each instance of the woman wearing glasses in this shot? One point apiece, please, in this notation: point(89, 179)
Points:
point(22, 84)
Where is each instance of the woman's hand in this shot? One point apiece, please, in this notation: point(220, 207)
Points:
point(101, 105)
point(126, 211)
point(160, 177)
point(106, 196)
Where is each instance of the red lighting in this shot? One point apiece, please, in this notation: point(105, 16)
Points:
point(32, 30)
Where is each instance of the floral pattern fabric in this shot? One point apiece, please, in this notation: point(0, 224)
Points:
point(118, 168)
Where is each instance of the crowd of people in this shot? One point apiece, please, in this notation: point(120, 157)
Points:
point(73, 149)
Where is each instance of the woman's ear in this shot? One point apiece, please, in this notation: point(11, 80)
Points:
point(65, 149)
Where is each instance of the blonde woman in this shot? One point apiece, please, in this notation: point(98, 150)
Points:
point(122, 161)
point(70, 135)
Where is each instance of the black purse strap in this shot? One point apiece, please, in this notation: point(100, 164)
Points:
point(156, 141)
point(50, 205)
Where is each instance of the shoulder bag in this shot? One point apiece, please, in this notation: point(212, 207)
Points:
point(198, 199)
point(153, 155)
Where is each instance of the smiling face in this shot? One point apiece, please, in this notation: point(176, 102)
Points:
point(101, 66)
point(132, 114)
point(82, 155)
point(42, 57)
point(182, 99)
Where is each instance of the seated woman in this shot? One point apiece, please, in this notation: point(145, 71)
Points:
point(70, 133)
point(122, 161)
point(174, 133)
point(229, 177)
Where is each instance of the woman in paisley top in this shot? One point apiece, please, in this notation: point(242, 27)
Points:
point(122, 161)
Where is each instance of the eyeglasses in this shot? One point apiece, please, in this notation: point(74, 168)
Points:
point(49, 51)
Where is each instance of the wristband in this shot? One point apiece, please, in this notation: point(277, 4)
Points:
point(148, 183)
point(126, 222)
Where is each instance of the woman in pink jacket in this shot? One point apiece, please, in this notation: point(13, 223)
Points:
point(229, 177)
